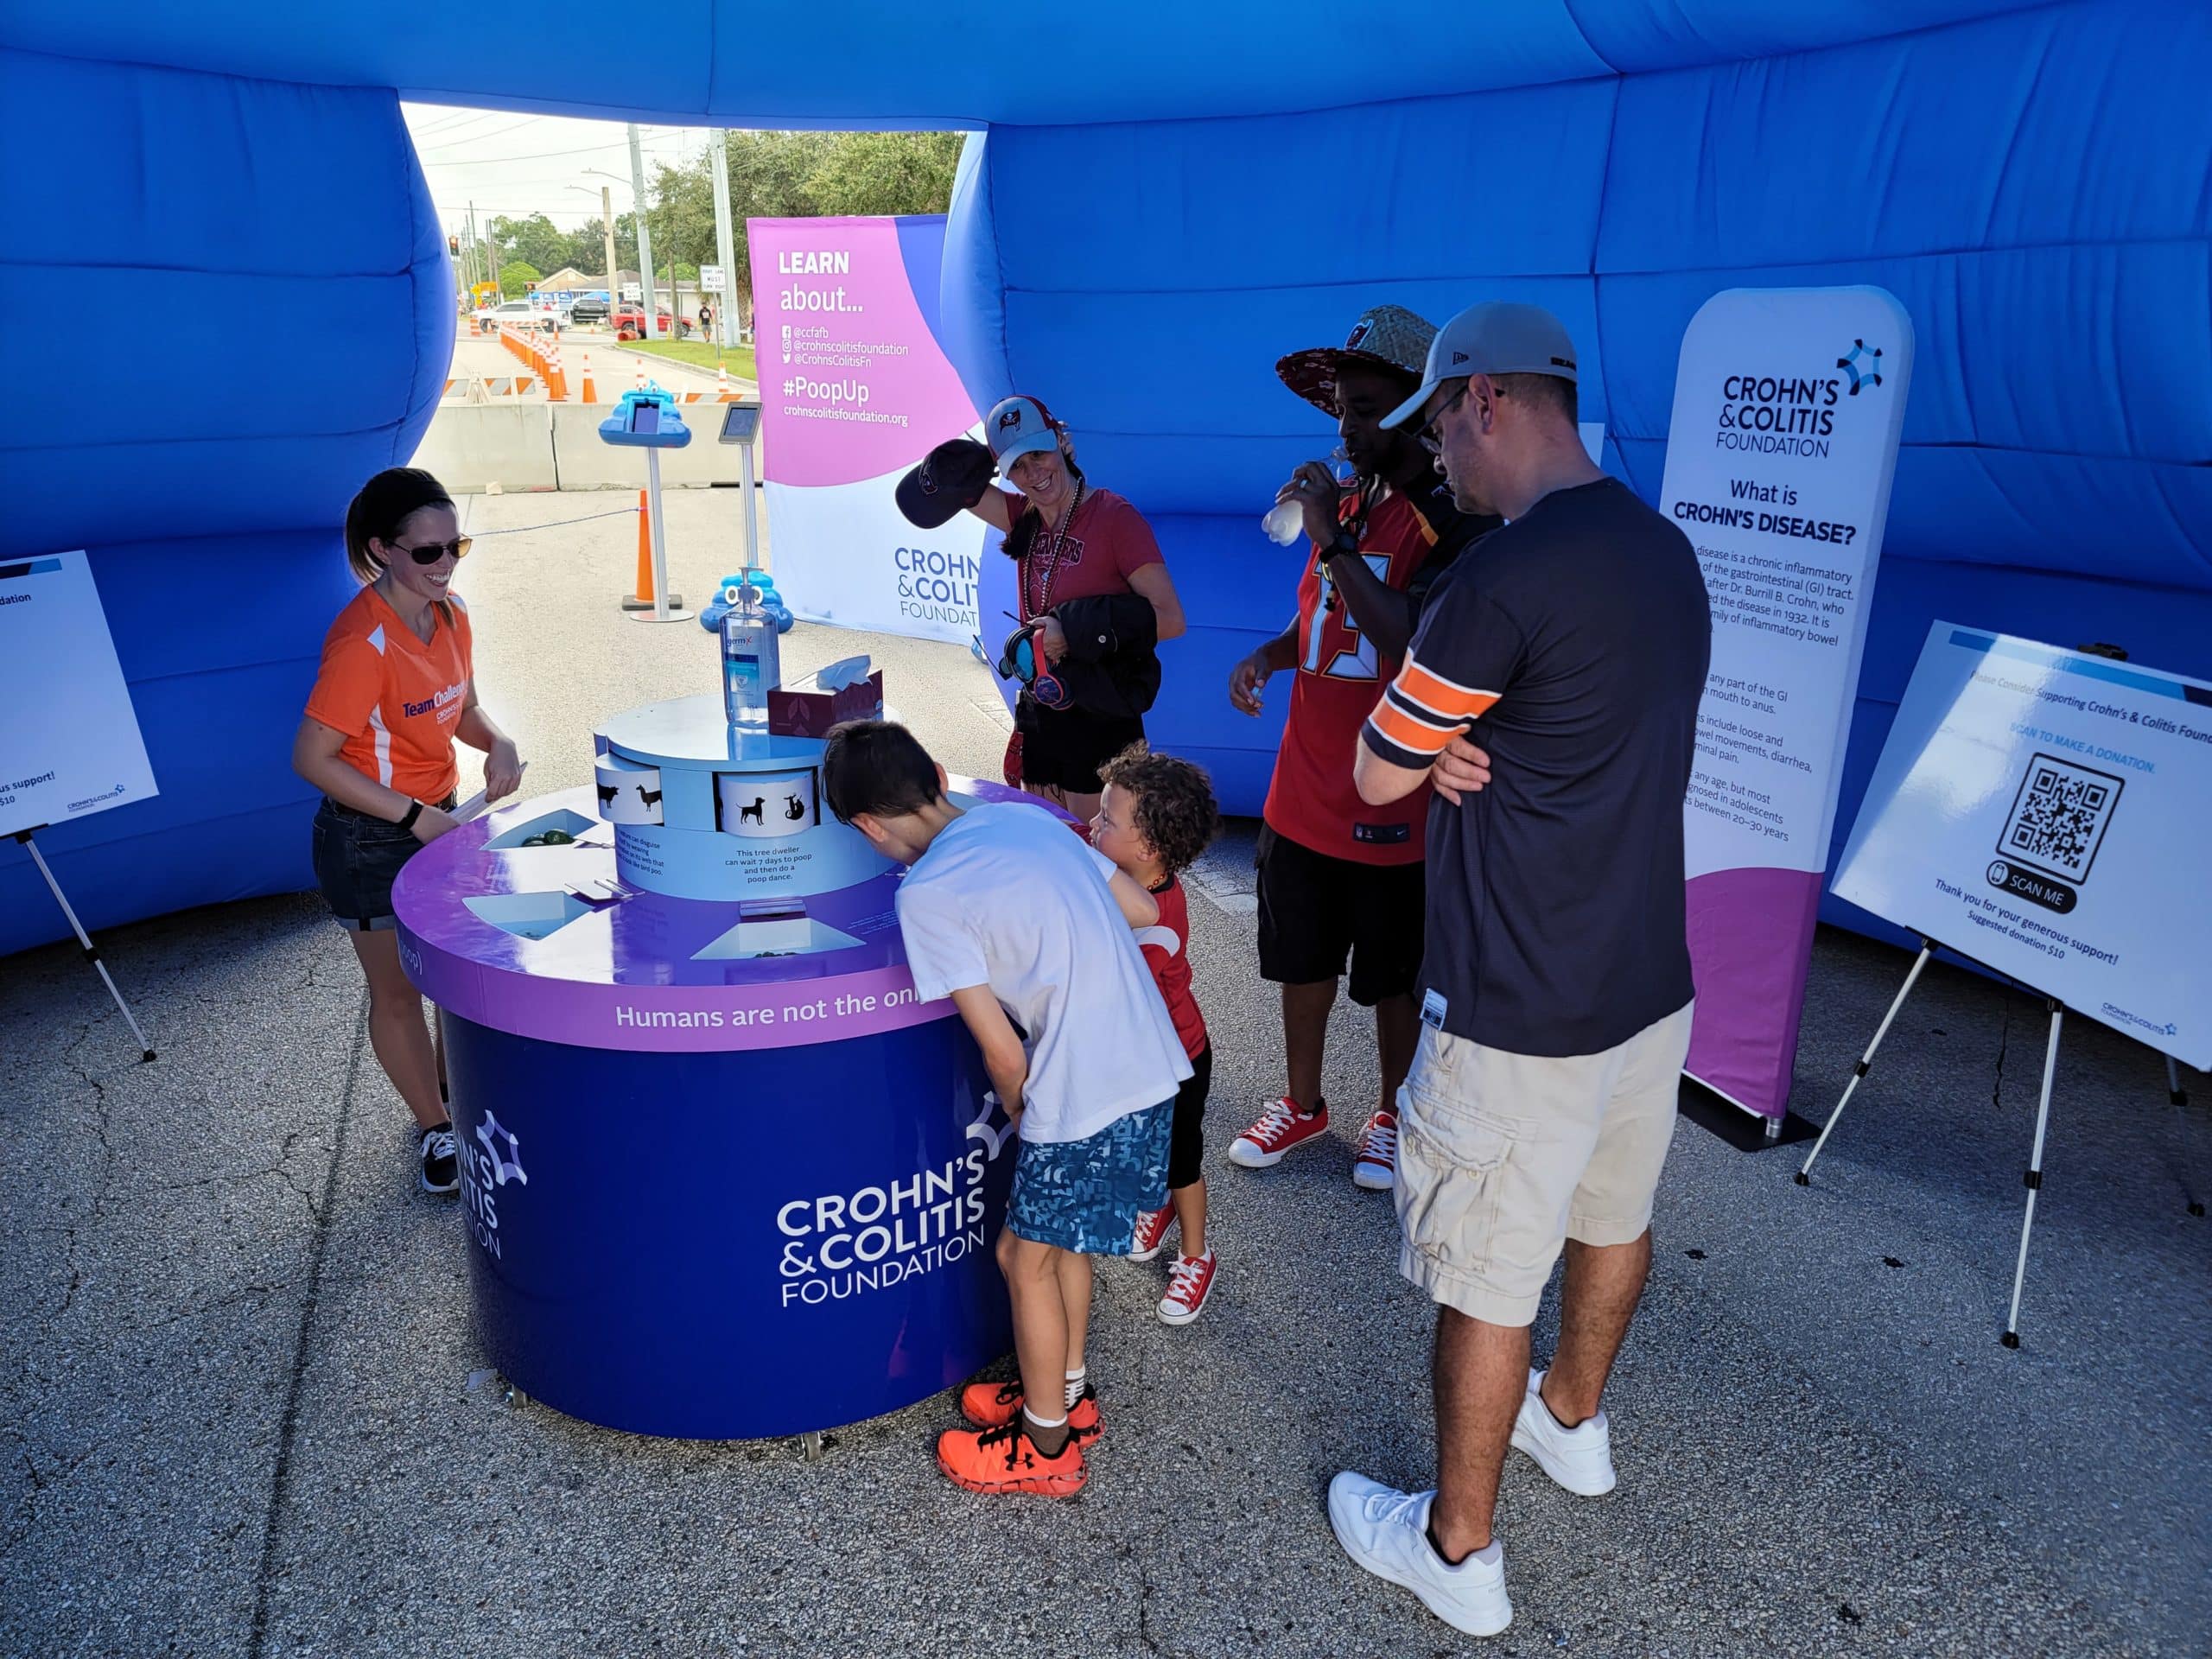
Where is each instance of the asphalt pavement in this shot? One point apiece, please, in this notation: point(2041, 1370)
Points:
point(242, 1410)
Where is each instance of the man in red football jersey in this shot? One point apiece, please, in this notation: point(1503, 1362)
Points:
point(1341, 882)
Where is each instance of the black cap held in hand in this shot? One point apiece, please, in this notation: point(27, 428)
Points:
point(951, 479)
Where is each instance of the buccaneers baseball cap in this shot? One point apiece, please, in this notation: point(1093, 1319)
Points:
point(952, 478)
point(1385, 337)
point(1497, 337)
point(1017, 427)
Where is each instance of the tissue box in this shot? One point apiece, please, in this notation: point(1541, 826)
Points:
point(806, 711)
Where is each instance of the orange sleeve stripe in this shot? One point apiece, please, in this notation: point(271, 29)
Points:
point(1397, 726)
point(1448, 699)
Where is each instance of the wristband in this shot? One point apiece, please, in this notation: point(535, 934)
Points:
point(414, 812)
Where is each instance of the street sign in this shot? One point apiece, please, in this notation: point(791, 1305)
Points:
point(710, 278)
point(633, 292)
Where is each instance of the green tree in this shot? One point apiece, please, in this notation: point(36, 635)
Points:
point(868, 173)
point(536, 240)
point(514, 278)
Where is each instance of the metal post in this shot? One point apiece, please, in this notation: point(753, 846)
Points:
point(726, 250)
point(92, 952)
point(2033, 1179)
point(644, 246)
point(1865, 1060)
point(2177, 1097)
point(752, 510)
point(662, 610)
point(613, 271)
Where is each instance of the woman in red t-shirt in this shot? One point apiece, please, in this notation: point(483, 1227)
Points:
point(397, 686)
point(1078, 549)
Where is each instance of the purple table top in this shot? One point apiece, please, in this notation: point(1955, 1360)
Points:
point(625, 976)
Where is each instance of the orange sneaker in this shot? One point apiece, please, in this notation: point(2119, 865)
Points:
point(993, 1405)
point(1005, 1460)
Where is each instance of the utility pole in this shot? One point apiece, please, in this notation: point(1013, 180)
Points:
point(606, 219)
point(488, 258)
point(644, 237)
point(725, 246)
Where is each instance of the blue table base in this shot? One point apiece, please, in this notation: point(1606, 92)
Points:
point(718, 1246)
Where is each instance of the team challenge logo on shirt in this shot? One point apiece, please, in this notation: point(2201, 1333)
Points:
point(434, 705)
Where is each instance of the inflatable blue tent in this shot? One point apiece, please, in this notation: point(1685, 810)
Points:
point(1162, 200)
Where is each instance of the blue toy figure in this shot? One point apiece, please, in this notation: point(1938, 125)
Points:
point(763, 586)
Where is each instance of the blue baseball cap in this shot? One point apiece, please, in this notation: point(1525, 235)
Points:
point(1018, 427)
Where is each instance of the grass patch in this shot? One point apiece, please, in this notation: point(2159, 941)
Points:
point(701, 354)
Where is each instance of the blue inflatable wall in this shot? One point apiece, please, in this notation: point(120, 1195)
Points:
point(1135, 238)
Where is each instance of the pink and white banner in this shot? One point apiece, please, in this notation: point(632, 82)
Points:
point(854, 389)
point(1787, 407)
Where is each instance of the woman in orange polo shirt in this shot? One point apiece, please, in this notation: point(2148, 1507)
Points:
point(397, 687)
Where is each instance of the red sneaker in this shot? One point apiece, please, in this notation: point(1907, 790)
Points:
point(993, 1405)
point(1280, 1128)
point(1377, 1167)
point(1188, 1282)
point(1005, 1460)
point(1151, 1232)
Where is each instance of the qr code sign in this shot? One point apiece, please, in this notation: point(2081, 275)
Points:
point(2060, 817)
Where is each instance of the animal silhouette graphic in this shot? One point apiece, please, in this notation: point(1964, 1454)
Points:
point(650, 796)
point(793, 808)
point(607, 793)
point(756, 811)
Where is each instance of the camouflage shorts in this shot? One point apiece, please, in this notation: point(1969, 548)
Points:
point(1085, 1195)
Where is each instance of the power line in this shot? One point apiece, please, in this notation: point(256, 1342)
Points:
point(484, 138)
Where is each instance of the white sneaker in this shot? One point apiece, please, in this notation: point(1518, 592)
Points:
point(1580, 1459)
point(1385, 1531)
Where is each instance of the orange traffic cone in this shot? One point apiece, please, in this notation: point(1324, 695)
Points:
point(588, 395)
point(641, 374)
point(643, 598)
point(557, 378)
point(721, 386)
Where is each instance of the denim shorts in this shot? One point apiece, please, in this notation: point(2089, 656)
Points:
point(1085, 1195)
point(356, 859)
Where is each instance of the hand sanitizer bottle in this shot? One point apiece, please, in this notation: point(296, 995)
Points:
point(752, 664)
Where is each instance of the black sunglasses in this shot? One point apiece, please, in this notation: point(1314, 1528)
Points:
point(1425, 435)
point(431, 552)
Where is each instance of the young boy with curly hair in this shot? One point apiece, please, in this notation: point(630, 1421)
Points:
point(1155, 819)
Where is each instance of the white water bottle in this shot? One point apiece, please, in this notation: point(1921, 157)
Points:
point(751, 652)
point(1286, 521)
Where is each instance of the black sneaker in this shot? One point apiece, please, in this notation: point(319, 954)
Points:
point(441, 1167)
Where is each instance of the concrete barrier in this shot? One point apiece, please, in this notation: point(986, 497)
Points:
point(582, 461)
point(471, 445)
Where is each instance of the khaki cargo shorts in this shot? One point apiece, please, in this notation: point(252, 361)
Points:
point(1502, 1158)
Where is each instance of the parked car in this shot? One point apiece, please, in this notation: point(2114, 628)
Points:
point(588, 311)
point(630, 316)
point(527, 315)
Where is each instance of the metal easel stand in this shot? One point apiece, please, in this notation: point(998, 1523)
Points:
point(2177, 1097)
point(2032, 1179)
point(92, 951)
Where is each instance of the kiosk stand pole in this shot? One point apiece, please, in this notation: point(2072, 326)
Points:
point(2033, 1179)
point(92, 951)
point(661, 611)
point(1859, 1072)
point(751, 513)
point(2178, 1097)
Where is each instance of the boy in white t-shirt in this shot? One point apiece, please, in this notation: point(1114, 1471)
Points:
point(1029, 930)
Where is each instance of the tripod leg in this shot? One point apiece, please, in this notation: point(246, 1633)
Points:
point(1865, 1060)
point(92, 951)
point(2033, 1179)
point(2179, 1096)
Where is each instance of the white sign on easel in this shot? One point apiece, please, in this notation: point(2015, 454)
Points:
point(2045, 813)
point(2041, 812)
point(70, 745)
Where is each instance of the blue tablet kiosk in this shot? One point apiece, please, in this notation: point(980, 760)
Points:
point(648, 418)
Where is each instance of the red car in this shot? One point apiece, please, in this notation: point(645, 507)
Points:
point(630, 316)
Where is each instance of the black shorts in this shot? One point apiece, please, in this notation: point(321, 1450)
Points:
point(1064, 747)
point(355, 859)
point(1316, 911)
point(1186, 1140)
